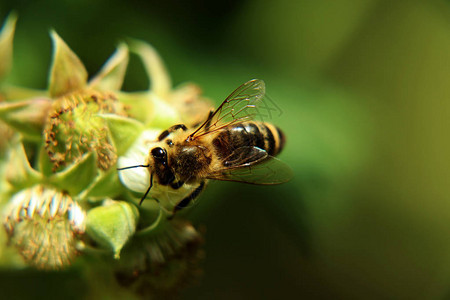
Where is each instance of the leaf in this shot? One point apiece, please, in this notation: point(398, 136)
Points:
point(19, 172)
point(160, 82)
point(78, 176)
point(27, 117)
point(138, 104)
point(6, 44)
point(18, 93)
point(110, 77)
point(150, 109)
point(124, 131)
point(105, 186)
point(164, 115)
point(68, 72)
point(112, 225)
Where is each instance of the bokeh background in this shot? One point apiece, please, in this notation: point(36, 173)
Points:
point(364, 86)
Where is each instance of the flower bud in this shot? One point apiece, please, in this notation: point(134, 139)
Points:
point(74, 128)
point(160, 262)
point(43, 223)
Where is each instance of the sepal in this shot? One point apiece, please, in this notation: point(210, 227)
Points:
point(76, 177)
point(107, 185)
point(19, 172)
point(6, 45)
point(124, 131)
point(159, 78)
point(110, 77)
point(27, 117)
point(68, 73)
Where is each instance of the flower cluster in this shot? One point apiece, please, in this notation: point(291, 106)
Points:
point(61, 196)
point(43, 224)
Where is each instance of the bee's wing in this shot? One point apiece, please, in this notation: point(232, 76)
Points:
point(241, 105)
point(253, 165)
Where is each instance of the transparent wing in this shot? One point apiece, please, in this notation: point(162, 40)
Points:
point(253, 165)
point(241, 105)
point(244, 157)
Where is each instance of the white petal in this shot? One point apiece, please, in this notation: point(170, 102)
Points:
point(137, 179)
point(46, 200)
point(77, 217)
point(62, 205)
point(32, 206)
point(54, 206)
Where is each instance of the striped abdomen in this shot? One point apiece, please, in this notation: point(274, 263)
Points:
point(247, 134)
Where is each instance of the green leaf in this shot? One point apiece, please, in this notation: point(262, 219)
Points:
point(19, 173)
point(105, 186)
point(6, 44)
point(160, 82)
point(110, 77)
point(78, 176)
point(112, 225)
point(124, 131)
point(138, 104)
point(68, 72)
point(18, 93)
point(150, 109)
point(27, 117)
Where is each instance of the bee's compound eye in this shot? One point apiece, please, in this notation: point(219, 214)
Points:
point(158, 153)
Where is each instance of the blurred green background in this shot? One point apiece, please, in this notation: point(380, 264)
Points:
point(365, 91)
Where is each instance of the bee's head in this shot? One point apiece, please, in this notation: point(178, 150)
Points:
point(159, 166)
point(159, 155)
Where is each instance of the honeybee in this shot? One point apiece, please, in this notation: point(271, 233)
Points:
point(229, 145)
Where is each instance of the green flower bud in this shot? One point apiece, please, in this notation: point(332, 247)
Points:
point(74, 128)
point(43, 224)
point(113, 224)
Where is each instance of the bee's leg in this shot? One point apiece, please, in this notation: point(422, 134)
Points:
point(185, 202)
point(173, 128)
point(148, 190)
point(177, 185)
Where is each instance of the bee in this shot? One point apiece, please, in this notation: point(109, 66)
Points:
point(229, 145)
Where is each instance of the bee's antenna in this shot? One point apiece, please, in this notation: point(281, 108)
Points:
point(148, 190)
point(151, 179)
point(131, 167)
